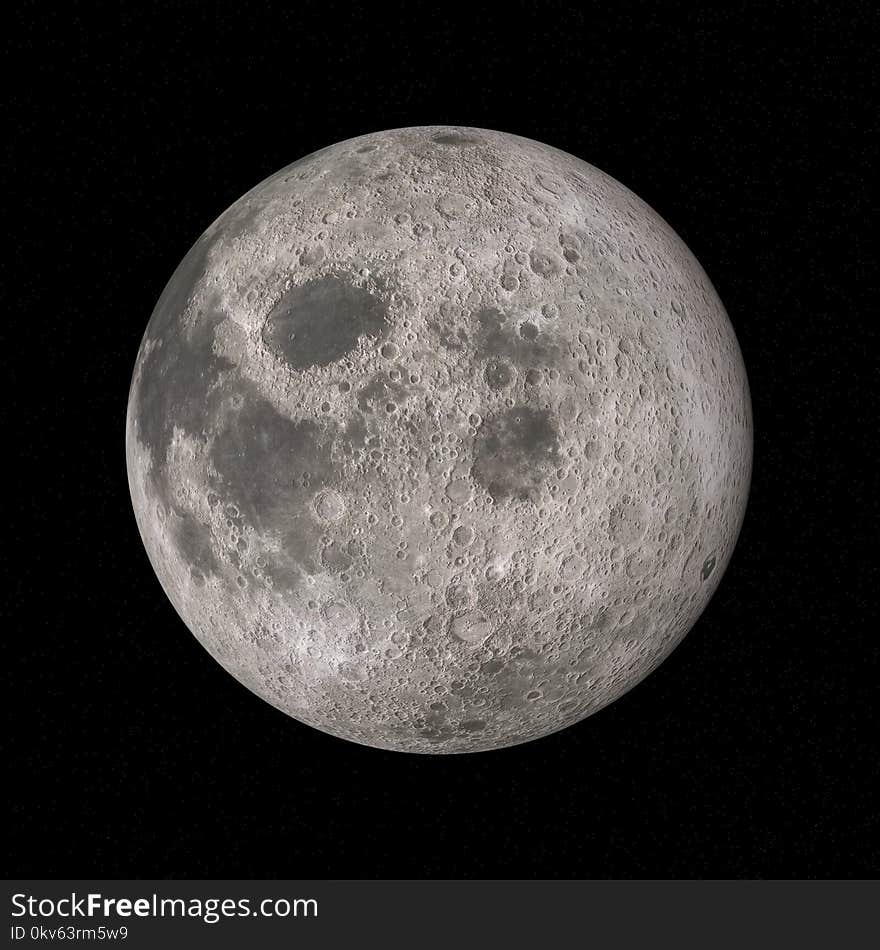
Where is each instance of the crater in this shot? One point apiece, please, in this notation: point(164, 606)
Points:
point(707, 568)
point(335, 559)
point(499, 375)
point(544, 262)
point(319, 322)
point(470, 628)
point(456, 138)
point(330, 506)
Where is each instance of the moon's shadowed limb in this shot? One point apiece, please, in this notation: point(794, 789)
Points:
point(439, 439)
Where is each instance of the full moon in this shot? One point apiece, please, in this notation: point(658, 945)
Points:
point(439, 439)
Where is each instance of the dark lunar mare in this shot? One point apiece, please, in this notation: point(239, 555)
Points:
point(268, 467)
point(176, 383)
point(498, 335)
point(317, 323)
point(514, 451)
point(179, 373)
point(271, 467)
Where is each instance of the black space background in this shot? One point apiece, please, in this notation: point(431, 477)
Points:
point(751, 752)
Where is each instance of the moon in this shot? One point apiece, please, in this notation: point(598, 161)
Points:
point(439, 439)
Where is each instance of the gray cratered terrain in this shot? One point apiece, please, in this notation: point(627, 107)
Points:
point(439, 439)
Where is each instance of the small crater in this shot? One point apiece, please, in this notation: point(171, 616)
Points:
point(340, 616)
point(330, 506)
point(572, 567)
point(708, 567)
point(439, 520)
point(544, 263)
point(458, 491)
point(499, 375)
point(463, 535)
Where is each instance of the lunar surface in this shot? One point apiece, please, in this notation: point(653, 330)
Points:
point(439, 439)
